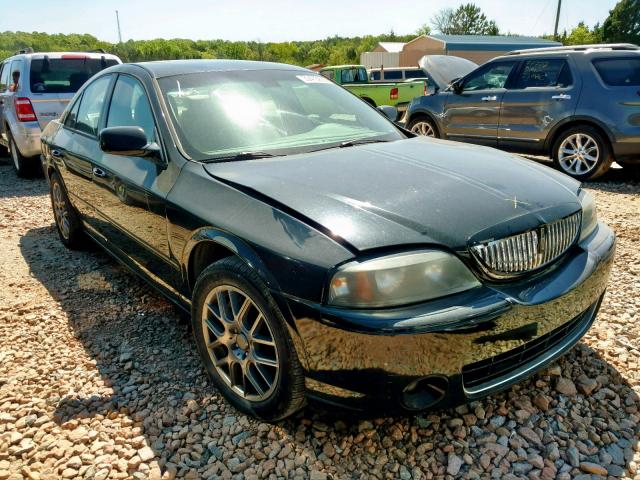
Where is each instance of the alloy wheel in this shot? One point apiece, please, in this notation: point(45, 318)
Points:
point(60, 210)
point(240, 343)
point(578, 154)
point(423, 128)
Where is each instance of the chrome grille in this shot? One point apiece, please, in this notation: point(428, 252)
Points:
point(530, 250)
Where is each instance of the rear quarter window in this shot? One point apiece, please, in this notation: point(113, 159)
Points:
point(619, 72)
point(66, 74)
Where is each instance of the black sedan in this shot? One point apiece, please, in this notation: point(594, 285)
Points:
point(322, 251)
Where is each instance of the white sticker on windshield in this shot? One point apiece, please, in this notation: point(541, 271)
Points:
point(313, 79)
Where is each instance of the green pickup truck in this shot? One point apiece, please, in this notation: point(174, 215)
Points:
point(355, 79)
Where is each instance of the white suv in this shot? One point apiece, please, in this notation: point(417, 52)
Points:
point(34, 89)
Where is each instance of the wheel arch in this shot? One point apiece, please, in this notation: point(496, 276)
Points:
point(574, 122)
point(208, 245)
point(369, 101)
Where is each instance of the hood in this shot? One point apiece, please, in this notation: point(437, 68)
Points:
point(408, 192)
point(445, 68)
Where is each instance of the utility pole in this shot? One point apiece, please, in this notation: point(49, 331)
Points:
point(555, 29)
point(120, 33)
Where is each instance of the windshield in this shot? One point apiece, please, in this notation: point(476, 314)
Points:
point(218, 114)
point(66, 74)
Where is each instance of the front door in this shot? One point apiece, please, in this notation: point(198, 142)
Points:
point(472, 114)
point(132, 190)
point(543, 92)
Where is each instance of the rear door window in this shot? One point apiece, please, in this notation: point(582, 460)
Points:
point(66, 74)
point(4, 77)
point(91, 105)
point(544, 73)
point(619, 72)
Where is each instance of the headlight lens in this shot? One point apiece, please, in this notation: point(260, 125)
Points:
point(400, 279)
point(589, 214)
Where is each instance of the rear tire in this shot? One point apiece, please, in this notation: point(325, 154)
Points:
point(66, 218)
point(25, 167)
point(582, 152)
point(423, 126)
point(243, 342)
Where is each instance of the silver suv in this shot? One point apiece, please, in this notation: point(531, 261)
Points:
point(34, 89)
point(580, 105)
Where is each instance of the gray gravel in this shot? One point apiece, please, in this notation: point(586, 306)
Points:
point(99, 379)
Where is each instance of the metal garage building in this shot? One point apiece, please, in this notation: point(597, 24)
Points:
point(477, 48)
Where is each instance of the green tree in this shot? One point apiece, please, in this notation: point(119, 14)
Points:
point(424, 30)
point(623, 23)
point(467, 19)
point(582, 35)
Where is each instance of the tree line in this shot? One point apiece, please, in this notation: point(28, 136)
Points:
point(622, 25)
point(333, 50)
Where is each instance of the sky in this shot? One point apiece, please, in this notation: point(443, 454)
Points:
point(279, 20)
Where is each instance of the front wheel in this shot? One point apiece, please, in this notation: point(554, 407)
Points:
point(423, 126)
point(582, 152)
point(243, 341)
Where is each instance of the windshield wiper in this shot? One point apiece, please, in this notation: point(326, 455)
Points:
point(241, 156)
point(351, 143)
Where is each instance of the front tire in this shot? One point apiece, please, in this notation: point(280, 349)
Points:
point(423, 126)
point(66, 218)
point(582, 152)
point(243, 342)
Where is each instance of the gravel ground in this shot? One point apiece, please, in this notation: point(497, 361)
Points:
point(99, 379)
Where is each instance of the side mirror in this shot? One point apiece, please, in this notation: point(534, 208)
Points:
point(128, 141)
point(390, 112)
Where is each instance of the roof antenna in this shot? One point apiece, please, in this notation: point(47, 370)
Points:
point(119, 32)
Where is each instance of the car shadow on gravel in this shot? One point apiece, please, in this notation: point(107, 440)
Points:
point(150, 378)
point(12, 186)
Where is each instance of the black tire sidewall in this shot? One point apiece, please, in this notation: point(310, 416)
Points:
point(604, 161)
point(232, 271)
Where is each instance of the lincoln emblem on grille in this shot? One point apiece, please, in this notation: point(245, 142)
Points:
point(530, 250)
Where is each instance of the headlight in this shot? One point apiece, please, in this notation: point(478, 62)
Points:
point(399, 279)
point(589, 214)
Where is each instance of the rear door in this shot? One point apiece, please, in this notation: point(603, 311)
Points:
point(473, 114)
point(54, 79)
point(544, 91)
point(12, 74)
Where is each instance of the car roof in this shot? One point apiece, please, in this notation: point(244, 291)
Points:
point(61, 54)
point(168, 68)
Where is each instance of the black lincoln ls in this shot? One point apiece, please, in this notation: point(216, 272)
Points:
point(322, 251)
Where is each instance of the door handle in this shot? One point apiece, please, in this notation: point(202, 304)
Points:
point(56, 153)
point(98, 172)
point(562, 96)
point(491, 98)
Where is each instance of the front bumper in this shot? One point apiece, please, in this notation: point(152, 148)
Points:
point(458, 348)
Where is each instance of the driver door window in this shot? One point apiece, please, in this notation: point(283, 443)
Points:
point(491, 77)
point(130, 107)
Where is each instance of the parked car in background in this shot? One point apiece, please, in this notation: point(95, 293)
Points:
point(355, 79)
point(578, 104)
point(34, 89)
point(437, 70)
point(322, 251)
